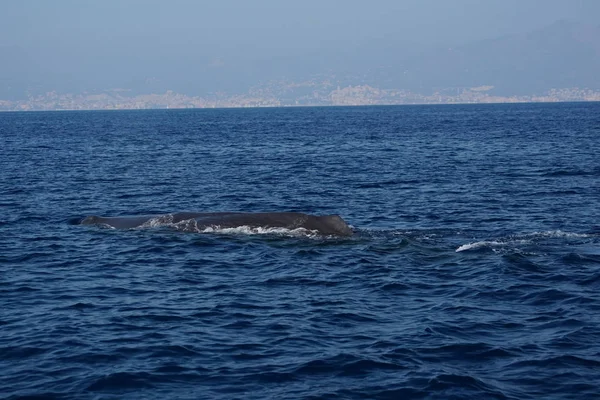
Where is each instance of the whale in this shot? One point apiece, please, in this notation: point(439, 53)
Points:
point(327, 225)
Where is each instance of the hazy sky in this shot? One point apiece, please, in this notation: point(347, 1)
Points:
point(275, 23)
point(149, 38)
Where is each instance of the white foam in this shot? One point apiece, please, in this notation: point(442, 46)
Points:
point(191, 225)
point(522, 239)
point(161, 220)
point(107, 226)
point(559, 234)
point(478, 245)
point(248, 230)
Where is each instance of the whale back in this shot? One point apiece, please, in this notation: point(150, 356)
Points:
point(116, 222)
point(330, 225)
point(324, 224)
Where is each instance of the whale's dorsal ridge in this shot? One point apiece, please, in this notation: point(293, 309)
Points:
point(332, 225)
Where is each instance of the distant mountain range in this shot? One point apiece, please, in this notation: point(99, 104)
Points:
point(563, 55)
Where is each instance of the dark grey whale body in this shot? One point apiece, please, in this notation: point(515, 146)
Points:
point(323, 224)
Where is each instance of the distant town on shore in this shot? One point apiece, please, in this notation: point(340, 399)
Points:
point(285, 94)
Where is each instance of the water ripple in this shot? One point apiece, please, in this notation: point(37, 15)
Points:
point(473, 271)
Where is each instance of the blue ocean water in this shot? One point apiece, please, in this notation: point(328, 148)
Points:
point(474, 270)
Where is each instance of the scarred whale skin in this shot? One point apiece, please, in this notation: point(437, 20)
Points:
point(324, 224)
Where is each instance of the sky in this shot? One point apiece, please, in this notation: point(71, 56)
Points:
point(85, 44)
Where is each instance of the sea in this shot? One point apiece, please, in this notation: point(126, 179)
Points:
point(473, 271)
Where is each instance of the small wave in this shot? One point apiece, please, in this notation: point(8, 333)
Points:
point(562, 361)
point(121, 381)
point(567, 173)
point(18, 352)
point(346, 365)
point(470, 386)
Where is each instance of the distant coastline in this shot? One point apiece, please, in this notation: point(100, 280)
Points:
point(282, 95)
